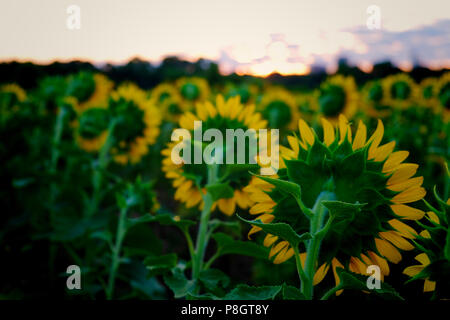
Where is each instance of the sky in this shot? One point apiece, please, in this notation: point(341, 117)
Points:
point(243, 36)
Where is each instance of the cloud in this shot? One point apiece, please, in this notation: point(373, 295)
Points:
point(427, 45)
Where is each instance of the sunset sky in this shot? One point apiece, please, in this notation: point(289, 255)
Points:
point(246, 36)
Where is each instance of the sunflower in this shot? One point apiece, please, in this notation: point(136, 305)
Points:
point(280, 109)
point(92, 128)
point(442, 93)
point(374, 101)
point(190, 179)
point(307, 105)
point(399, 90)
point(337, 95)
point(247, 92)
point(16, 92)
point(426, 96)
point(167, 97)
point(138, 123)
point(434, 267)
point(11, 95)
point(371, 179)
point(193, 89)
point(90, 90)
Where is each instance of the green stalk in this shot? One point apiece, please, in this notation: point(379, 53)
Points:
point(202, 236)
point(120, 235)
point(59, 126)
point(313, 247)
point(103, 160)
point(331, 292)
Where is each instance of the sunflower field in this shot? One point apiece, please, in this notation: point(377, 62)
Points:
point(358, 208)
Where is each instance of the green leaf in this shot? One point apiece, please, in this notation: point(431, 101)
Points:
point(245, 292)
point(161, 264)
point(447, 245)
point(220, 191)
point(283, 230)
point(286, 186)
point(178, 283)
point(341, 211)
point(165, 219)
point(353, 281)
point(213, 279)
point(292, 293)
point(227, 245)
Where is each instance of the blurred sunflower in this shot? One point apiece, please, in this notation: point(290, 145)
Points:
point(374, 100)
point(247, 92)
point(280, 109)
point(11, 95)
point(166, 97)
point(190, 179)
point(307, 105)
point(138, 123)
point(92, 128)
point(370, 178)
point(193, 89)
point(426, 96)
point(442, 92)
point(399, 90)
point(337, 95)
point(90, 90)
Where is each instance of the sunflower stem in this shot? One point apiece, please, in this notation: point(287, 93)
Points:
point(103, 160)
point(202, 236)
point(120, 234)
point(313, 246)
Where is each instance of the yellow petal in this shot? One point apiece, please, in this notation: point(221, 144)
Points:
point(402, 173)
point(423, 259)
point(382, 263)
point(293, 143)
point(407, 212)
point(410, 195)
point(335, 264)
point(405, 230)
point(360, 137)
point(284, 255)
point(388, 250)
point(227, 206)
point(344, 129)
point(384, 151)
point(328, 132)
point(262, 207)
point(397, 240)
point(320, 274)
point(306, 132)
point(375, 139)
point(413, 182)
point(277, 248)
point(412, 270)
point(269, 240)
point(394, 160)
point(429, 286)
point(433, 217)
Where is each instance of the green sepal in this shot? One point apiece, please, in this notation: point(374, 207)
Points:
point(282, 230)
point(228, 245)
